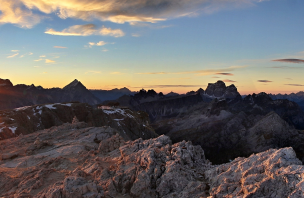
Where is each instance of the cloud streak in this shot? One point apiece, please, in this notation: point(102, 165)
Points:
point(297, 85)
point(60, 47)
point(290, 60)
point(86, 30)
point(12, 56)
point(204, 72)
point(227, 80)
point(264, 81)
point(24, 12)
point(225, 74)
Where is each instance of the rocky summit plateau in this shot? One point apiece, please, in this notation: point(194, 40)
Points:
point(210, 143)
point(74, 160)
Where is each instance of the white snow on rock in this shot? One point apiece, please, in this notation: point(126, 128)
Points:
point(120, 111)
point(22, 108)
point(13, 129)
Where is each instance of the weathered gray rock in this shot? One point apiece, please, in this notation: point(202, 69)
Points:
point(274, 173)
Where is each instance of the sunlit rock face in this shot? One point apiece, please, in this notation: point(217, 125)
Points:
point(73, 160)
point(25, 120)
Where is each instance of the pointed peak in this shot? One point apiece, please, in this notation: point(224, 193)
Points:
point(73, 84)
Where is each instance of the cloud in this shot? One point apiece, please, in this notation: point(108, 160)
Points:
point(215, 77)
point(285, 67)
point(25, 12)
point(100, 43)
point(297, 85)
point(135, 35)
point(49, 61)
point(203, 72)
point(264, 81)
point(153, 73)
point(288, 78)
point(225, 74)
point(116, 73)
point(16, 12)
point(227, 80)
point(12, 56)
point(40, 59)
point(290, 60)
point(86, 30)
point(42, 56)
point(105, 50)
point(60, 47)
point(14, 50)
point(30, 53)
point(93, 72)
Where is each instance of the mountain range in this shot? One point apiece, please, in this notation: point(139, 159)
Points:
point(64, 143)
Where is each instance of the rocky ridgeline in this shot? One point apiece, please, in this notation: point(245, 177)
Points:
point(26, 95)
point(161, 107)
point(73, 160)
point(26, 120)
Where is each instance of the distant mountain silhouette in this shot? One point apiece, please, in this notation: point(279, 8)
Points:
point(105, 95)
point(25, 95)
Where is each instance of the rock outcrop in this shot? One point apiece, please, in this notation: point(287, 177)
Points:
point(73, 160)
point(274, 173)
point(26, 120)
point(220, 91)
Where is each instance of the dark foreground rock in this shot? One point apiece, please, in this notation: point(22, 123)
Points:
point(75, 161)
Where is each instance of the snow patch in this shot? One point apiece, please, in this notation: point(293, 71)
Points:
point(22, 108)
point(13, 129)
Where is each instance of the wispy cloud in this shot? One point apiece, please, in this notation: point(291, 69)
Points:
point(290, 60)
point(86, 30)
point(49, 61)
point(116, 73)
point(93, 72)
point(203, 72)
point(264, 81)
point(100, 43)
point(105, 50)
point(30, 53)
point(12, 56)
point(14, 50)
point(285, 67)
point(20, 12)
point(42, 56)
point(135, 35)
point(154, 73)
point(225, 74)
point(40, 59)
point(227, 80)
point(60, 47)
point(297, 85)
point(288, 78)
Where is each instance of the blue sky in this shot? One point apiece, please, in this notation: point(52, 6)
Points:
point(161, 45)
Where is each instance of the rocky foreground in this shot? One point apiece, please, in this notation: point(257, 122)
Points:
point(74, 160)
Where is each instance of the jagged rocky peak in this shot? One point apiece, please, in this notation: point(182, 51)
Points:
point(74, 84)
point(219, 90)
point(200, 91)
point(260, 98)
point(5, 82)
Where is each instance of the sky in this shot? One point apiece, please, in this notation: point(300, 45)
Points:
point(165, 45)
